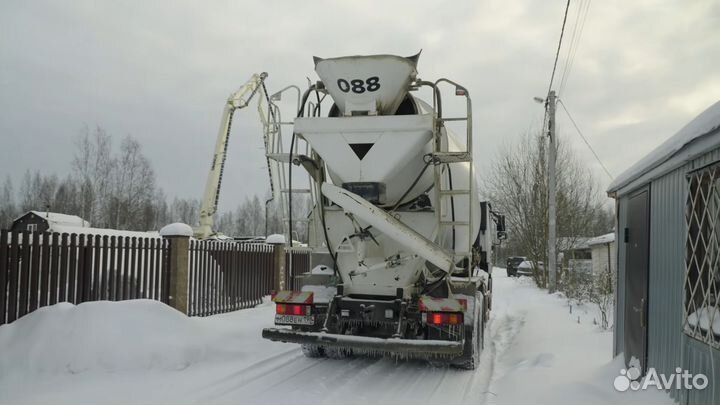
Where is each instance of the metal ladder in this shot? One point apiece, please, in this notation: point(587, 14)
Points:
point(443, 160)
point(278, 161)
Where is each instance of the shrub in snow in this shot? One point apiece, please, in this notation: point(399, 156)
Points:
point(602, 295)
point(576, 284)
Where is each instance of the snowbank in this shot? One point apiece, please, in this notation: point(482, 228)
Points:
point(109, 336)
point(535, 353)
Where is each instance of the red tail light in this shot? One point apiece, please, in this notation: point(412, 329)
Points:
point(292, 309)
point(444, 318)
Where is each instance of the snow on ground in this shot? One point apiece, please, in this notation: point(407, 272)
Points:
point(100, 336)
point(551, 356)
point(144, 352)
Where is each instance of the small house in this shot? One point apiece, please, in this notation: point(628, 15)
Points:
point(668, 255)
point(39, 221)
point(602, 252)
point(574, 253)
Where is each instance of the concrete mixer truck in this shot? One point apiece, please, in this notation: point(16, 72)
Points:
point(402, 245)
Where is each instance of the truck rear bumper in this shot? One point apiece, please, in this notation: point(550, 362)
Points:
point(362, 343)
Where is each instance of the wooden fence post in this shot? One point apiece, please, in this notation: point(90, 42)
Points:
point(179, 237)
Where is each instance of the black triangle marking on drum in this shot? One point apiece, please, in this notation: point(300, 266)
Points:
point(361, 149)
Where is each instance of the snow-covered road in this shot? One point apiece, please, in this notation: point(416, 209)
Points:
point(142, 353)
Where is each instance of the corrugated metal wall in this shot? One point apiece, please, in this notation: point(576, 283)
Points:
point(619, 345)
point(667, 272)
point(668, 346)
point(699, 358)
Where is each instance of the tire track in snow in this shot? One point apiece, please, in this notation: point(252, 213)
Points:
point(253, 366)
point(284, 367)
point(503, 330)
point(350, 376)
point(479, 383)
point(289, 377)
point(254, 371)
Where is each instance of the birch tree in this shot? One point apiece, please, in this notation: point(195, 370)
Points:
point(92, 168)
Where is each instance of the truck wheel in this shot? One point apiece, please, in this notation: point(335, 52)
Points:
point(313, 351)
point(338, 353)
point(473, 340)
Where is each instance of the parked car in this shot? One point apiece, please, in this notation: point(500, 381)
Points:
point(512, 264)
point(527, 268)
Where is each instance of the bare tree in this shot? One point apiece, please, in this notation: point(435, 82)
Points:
point(92, 168)
point(28, 199)
point(8, 209)
point(68, 198)
point(250, 217)
point(225, 223)
point(133, 186)
point(162, 211)
point(37, 192)
point(517, 186)
point(185, 210)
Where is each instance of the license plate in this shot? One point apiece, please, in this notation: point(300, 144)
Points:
point(294, 320)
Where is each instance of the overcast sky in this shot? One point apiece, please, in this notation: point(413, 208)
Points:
point(161, 72)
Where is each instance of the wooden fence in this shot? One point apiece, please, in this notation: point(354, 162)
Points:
point(40, 269)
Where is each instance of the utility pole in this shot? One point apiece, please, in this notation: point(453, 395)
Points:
point(552, 195)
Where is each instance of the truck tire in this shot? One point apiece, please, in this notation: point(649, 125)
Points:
point(473, 339)
point(313, 351)
point(338, 353)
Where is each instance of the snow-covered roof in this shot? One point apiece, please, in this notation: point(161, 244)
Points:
point(55, 218)
point(668, 156)
point(102, 231)
point(602, 239)
point(565, 243)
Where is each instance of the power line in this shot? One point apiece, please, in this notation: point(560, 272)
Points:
point(557, 54)
point(580, 32)
point(574, 44)
point(585, 140)
point(571, 49)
